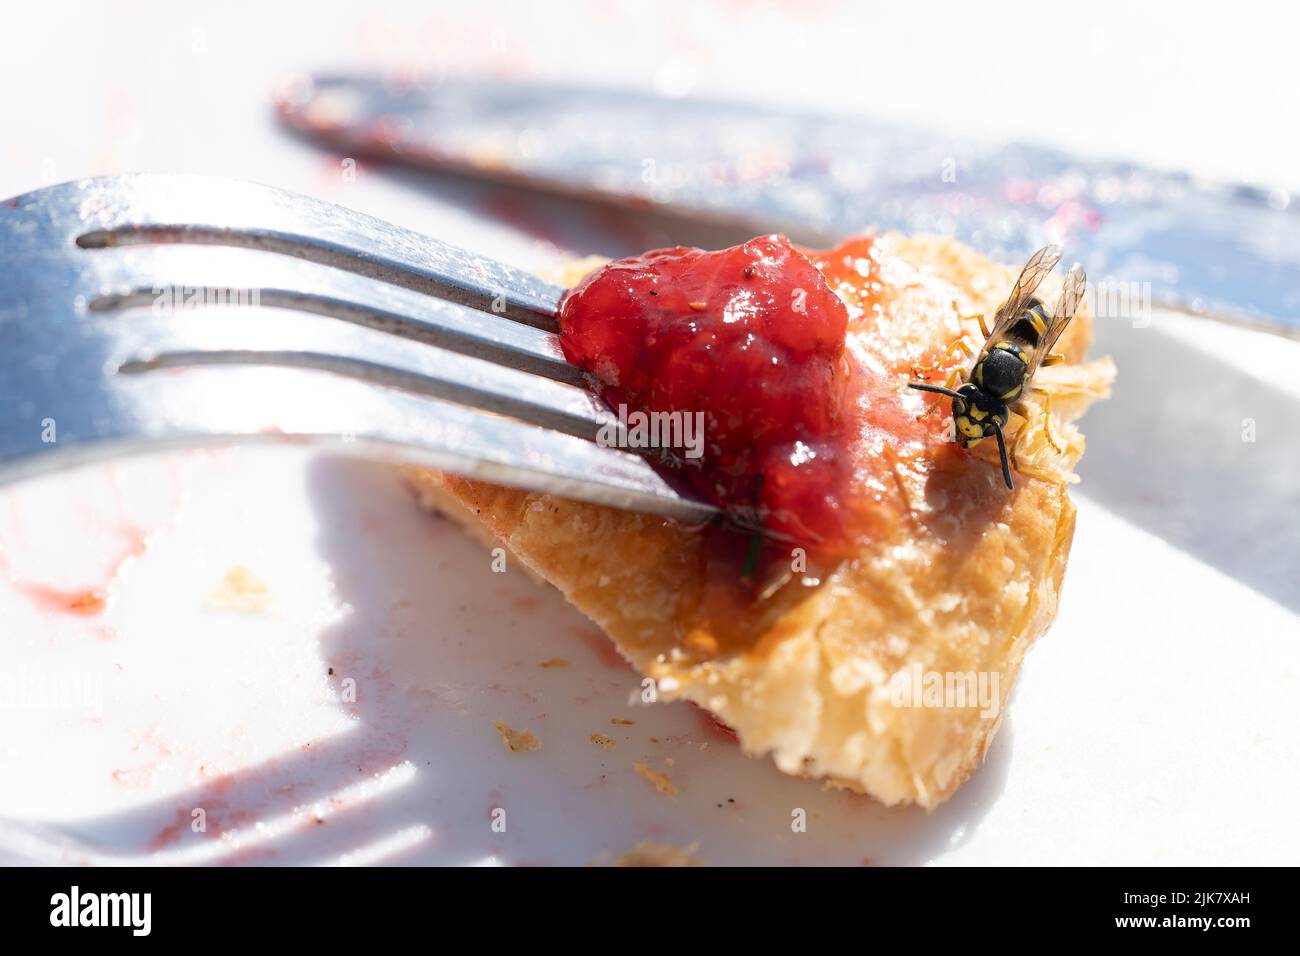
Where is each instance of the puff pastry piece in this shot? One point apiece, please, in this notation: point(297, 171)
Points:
point(962, 584)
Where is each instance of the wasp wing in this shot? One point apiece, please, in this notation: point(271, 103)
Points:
point(1031, 277)
point(1076, 283)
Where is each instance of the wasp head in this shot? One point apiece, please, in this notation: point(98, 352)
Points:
point(976, 414)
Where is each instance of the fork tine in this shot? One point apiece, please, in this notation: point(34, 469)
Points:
point(149, 208)
point(253, 336)
point(125, 282)
point(493, 375)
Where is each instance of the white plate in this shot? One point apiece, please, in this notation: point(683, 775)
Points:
point(169, 701)
point(1156, 723)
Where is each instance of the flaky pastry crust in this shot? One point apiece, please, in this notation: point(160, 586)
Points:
point(964, 584)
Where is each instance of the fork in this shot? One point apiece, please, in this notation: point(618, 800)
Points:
point(145, 311)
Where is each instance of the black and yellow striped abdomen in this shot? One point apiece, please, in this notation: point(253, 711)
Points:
point(1027, 331)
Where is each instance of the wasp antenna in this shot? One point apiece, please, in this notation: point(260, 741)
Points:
point(937, 389)
point(1002, 451)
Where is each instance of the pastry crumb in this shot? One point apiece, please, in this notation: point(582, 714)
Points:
point(240, 590)
point(701, 642)
point(600, 740)
point(661, 781)
point(554, 662)
point(648, 853)
point(517, 741)
point(621, 721)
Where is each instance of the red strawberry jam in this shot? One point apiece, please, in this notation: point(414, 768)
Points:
point(798, 432)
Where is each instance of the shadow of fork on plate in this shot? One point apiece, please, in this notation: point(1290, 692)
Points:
point(439, 648)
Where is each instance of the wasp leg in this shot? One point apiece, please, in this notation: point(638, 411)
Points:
point(1018, 412)
point(958, 344)
point(976, 316)
point(1047, 422)
point(1053, 359)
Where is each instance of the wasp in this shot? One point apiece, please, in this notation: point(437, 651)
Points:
point(1023, 335)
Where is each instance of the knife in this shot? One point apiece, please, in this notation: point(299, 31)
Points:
point(1231, 252)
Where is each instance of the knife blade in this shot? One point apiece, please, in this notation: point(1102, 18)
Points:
point(1148, 237)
